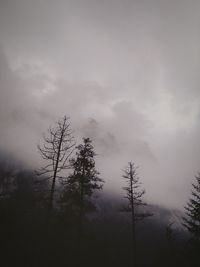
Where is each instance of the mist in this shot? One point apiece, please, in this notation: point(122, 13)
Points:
point(127, 75)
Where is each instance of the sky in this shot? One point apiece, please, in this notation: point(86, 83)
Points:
point(126, 72)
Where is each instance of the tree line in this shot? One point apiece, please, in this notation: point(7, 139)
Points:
point(60, 198)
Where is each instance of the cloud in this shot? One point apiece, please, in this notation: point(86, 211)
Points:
point(127, 73)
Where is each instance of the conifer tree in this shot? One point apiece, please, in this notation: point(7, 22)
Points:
point(192, 210)
point(81, 184)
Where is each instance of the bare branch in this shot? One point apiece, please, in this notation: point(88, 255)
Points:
point(57, 149)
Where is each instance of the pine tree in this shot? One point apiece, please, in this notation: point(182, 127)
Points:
point(81, 185)
point(192, 210)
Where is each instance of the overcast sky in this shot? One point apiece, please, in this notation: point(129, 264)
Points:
point(127, 72)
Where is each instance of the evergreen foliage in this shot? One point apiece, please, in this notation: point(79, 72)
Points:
point(82, 183)
point(192, 218)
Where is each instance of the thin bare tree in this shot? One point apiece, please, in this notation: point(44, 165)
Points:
point(134, 196)
point(56, 150)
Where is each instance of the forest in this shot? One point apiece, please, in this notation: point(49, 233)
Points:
point(59, 215)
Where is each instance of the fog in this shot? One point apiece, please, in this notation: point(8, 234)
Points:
point(125, 72)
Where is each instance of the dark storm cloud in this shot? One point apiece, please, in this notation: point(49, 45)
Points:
point(126, 72)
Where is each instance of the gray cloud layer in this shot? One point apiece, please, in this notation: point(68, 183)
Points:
point(126, 72)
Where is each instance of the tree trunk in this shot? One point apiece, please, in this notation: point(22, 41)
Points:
point(80, 221)
point(81, 212)
point(55, 174)
point(50, 205)
point(133, 218)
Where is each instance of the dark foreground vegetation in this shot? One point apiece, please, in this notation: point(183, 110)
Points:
point(59, 216)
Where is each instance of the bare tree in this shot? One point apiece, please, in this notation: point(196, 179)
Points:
point(56, 150)
point(134, 196)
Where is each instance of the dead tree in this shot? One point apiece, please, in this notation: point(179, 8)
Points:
point(56, 150)
point(134, 196)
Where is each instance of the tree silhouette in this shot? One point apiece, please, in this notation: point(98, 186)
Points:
point(192, 210)
point(134, 196)
point(81, 184)
point(57, 148)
